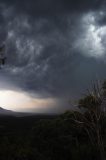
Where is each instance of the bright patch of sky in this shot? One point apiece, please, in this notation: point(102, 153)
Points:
point(91, 41)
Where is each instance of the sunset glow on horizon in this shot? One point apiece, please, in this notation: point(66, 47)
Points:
point(20, 101)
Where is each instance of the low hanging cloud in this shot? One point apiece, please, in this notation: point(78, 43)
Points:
point(54, 49)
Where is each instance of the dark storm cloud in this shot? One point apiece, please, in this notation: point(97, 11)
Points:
point(49, 45)
point(52, 7)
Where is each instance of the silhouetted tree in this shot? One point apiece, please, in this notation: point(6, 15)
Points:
point(91, 118)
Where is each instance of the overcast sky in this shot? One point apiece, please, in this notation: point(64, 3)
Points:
point(54, 50)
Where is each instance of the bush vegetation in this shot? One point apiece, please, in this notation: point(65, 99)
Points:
point(74, 135)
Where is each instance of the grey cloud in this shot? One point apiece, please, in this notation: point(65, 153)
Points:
point(40, 8)
point(47, 46)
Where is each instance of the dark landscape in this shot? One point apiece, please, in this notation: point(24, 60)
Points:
point(71, 135)
point(52, 79)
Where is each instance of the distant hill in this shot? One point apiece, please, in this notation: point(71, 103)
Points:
point(5, 111)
